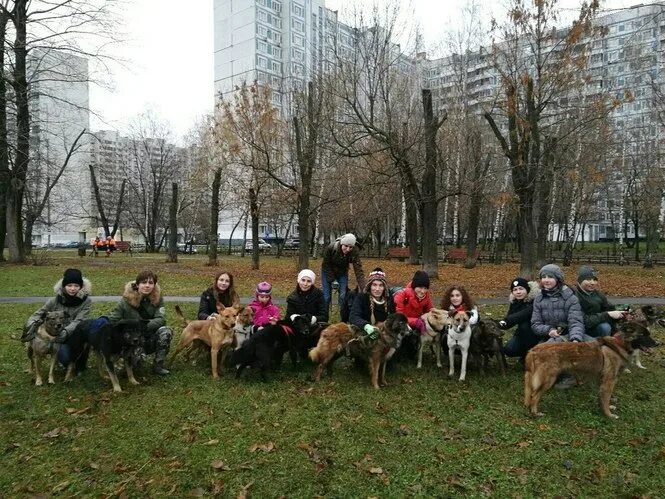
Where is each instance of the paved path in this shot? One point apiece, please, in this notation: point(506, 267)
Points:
point(280, 301)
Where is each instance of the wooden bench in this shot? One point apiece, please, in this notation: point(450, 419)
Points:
point(455, 254)
point(123, 246)
point(400, 253)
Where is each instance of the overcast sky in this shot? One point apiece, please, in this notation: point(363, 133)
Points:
point(169, 54)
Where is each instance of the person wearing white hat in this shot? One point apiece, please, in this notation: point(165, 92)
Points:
point(335, 267)
point(307, 300)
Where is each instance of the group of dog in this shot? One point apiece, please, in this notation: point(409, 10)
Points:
point(231, 332)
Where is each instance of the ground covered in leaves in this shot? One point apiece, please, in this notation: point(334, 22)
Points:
point(424, 435)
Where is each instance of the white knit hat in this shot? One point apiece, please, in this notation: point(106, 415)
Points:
point(348, 239)
point(307, 273)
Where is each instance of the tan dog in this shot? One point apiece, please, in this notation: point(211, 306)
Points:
point(243, 328)
point(436, 321)
point(43, 344)
point(459, 337)
point(218, 334)
point(339, 338)
point(601, 359)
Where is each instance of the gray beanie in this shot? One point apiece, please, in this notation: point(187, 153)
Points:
point(586, 272)
point(552, 270)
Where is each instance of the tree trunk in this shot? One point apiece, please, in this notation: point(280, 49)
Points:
point(214, 218)
point(4, 145)
point(480, 170)
point(108, 230)
point(254, 214)
point(428, 190)
point(173, 226)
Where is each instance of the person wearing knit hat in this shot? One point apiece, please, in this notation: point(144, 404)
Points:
point(307, 300)
point(72, 295)
point(373, 305)
point(600, 316)
point(337, 257)
point(553, 271)
point(414, 301)
point(265, 311)
point(522, 294)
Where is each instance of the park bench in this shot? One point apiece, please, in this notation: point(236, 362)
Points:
point(455, 254)
point(123, 246)
point(400, 253)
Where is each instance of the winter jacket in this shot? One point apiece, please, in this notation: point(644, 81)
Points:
point(361, 312)
point(133, 306)
point(264, 311)
point(208, 303)
point(556, 308)
point(519, 314)
point(594, 307)
point(76, 308)
point(310, 304)
point(336, 264)
point(408, 304)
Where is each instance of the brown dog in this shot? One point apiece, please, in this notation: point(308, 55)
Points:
point(218, 334)
point(340, 337)
point(601, 359)
point(44, 344)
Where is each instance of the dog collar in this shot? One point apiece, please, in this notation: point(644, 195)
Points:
point(433, 328)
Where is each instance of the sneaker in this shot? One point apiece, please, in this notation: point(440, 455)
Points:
point(161, 370)
point(565, 382)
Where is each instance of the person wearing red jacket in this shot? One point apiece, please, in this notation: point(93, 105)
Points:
point(415, 300)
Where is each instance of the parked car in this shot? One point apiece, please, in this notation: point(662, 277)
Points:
point(292, 243)
point(186, 248)
point(263, 246)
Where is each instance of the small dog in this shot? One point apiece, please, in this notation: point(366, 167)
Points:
point(339, 338)
point(218, 334)
point(436, 322)
point(601, 358)
point(486, 342)
point(459, 337)
point(122, 340)
point(43, 344)
point(263, 348)
point(244, 326)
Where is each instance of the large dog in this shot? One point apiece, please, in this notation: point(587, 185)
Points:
point(459, 338)
point(339, 338)
point(218, 334)
point(645, 316)
point(43, 344)
point(264, 348)
point(486, 342)
point(602, 359)
point(122, 340)
point(436, 321)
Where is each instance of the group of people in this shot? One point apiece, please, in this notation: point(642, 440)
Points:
point(543, 310)
point(106, 245)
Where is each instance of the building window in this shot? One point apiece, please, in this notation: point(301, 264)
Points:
point(297, 40)
point(275, 66)
point(261, 62)
point(297, 55)
point(261, 30)
point(263, 16)
point(297, 25)
point(298, 10)
point(262, 46)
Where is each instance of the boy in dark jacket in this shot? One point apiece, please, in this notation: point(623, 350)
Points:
point(335, 267)
point(522, 294)
point(599, 314)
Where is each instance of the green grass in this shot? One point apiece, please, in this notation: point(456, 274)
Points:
point(425, 435)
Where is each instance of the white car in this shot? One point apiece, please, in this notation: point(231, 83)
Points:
point(263, 246)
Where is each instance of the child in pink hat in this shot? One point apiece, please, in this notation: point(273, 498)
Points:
point(265, 312)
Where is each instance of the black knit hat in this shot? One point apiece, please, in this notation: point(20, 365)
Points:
point(519, 281)
point(72, 276)
point(420, 280)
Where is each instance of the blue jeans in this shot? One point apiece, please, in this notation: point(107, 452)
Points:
point(602, 329)
point(343, 282)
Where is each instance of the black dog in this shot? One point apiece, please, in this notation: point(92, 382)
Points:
point(123, 340)
point(260, 350)
point(486, 342)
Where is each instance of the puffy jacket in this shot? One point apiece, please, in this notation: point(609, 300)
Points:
point(594, 307)
point(407, 303)
point(361, 313)
point(76, 307)
point(555, 308)
point(133, 306)
point(264, 311)
point(336, 264)
point(308, 304)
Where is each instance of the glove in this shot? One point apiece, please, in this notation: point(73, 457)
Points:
point(313, 320)
point(616, 314)
point(293, 317)
point(420, 325)
point(503, 325)
point(62, 337)
point(372, 332)
point(30, 332)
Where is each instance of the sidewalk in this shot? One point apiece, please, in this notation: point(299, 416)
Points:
point(280, 301)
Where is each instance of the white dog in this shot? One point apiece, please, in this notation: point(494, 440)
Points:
point(459, 337)
point(436, 321)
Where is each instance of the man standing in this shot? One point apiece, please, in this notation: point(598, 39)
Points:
point(335, 267)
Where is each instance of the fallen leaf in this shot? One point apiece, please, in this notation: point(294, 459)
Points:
point(197, 492)
point(382, 440)
point(404, 429)
point(522, 445)
point(214, 441)
point(269, 447)
point(376, 471)
point(217, 487)
point(217, 464)
point(543, 427)
point(55, 432)
point(94, 466)
point(244, 491)
point(661, 454)
point(60, 487)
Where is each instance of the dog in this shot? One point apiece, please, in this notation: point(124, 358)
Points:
point(339, 338)
point(646, 316)
point(43, 344)
point(244, 326)
point(459, 338)
point(218, 334)
point(602, 358)
point(264, 348)
point(436, 322)
point(122, 340)
point(486, 342)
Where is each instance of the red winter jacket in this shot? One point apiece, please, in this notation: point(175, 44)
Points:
point(408, 304)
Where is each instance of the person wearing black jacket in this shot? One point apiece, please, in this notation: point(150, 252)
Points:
point(307, 300)
point(373, 305)
point(522, 294)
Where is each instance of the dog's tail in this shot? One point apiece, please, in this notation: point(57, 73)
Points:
point(611, 344)
point(179, 313)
